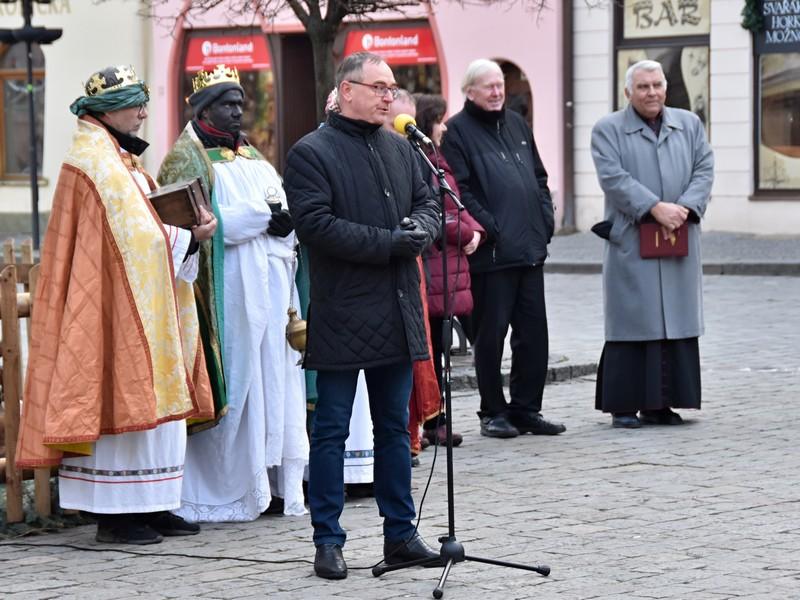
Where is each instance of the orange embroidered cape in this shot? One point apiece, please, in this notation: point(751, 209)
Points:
point(114, 337)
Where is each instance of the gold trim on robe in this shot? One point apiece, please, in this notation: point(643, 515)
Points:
point(114, 338)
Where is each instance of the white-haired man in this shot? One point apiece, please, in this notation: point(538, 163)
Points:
point(503, 184)
point(653, 163)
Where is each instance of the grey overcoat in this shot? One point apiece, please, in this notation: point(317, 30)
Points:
point(651, 299)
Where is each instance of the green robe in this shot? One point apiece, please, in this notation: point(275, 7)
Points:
point(189, 159)
point(304, 291)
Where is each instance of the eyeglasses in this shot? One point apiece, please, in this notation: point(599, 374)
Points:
point(142, 111)
point(379, 89)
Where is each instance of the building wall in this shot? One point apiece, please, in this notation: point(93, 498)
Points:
point(463, 33)
point(95, 36)
point(593, 98)
point(529, 39)
point(731, 125)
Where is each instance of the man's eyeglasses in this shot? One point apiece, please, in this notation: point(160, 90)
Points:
point(142, 111)
point(379, 89)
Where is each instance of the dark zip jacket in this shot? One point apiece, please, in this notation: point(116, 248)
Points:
point(503, 184)
point(348, 185)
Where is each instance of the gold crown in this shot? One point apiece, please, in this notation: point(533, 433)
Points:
point(220, 74)
point(111, 78)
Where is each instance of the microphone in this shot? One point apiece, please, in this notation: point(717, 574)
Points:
point(406, 125)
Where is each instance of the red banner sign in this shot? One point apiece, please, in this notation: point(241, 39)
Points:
point(246, 53)
point(406, 46)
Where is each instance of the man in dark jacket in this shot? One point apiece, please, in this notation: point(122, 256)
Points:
point(362, 208)
point(504, 186)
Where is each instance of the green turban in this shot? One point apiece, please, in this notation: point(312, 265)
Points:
point(110, 89)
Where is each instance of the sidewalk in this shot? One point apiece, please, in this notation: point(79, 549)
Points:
point(707, 511)
point(574, 307)
point(723, 254)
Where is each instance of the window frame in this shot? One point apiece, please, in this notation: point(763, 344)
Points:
point(17, 74)
point(759, 193)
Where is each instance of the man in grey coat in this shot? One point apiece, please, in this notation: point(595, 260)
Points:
point(653, 163)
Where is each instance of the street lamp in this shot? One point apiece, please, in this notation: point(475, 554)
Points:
point(30, 35)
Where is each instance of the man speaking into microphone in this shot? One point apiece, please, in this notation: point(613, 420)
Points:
point(362, 208)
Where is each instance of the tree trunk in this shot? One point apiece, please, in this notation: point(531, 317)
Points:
point(322, 36)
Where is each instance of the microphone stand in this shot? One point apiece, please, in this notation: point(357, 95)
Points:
point(451, 551)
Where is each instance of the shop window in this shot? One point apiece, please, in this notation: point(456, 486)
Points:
point(674, 33)
point(423, 79)
point(250, 55)
point(777, 89)
point(14, 124)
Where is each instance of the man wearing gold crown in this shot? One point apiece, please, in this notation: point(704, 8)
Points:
point(116, 365)
point(259, 450)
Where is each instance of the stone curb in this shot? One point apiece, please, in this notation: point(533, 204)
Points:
point(772, 269)
point(463, 378)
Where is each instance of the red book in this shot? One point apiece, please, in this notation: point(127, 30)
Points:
point(653, 245)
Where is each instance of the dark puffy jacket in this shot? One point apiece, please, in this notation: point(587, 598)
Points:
point(503, 184)
point(348, 185)
point(459, 232)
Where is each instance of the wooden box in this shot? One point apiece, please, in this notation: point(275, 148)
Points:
point(179, 203)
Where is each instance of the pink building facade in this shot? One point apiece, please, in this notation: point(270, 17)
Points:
point(429, 48)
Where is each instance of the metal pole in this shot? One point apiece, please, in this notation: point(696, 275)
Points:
point(33, 157)
point(27, 8)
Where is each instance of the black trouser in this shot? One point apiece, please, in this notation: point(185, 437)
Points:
point(513, 297)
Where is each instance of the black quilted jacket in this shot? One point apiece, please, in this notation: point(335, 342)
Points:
point(348, 184)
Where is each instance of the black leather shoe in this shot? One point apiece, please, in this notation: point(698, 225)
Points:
point(360, 490)
point(276, 506)
point(414, 549)
point(126, 530)
point(625, 421)
point(329, 562)
point(536, 424)
point(498, 427)
point(170, 525)
point(660, 417)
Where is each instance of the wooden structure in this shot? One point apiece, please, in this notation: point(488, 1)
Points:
point(16, 305)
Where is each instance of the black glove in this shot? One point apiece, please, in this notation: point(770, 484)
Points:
point(408, 243)
point(280, 224)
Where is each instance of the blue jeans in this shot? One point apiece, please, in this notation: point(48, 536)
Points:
point(389, 393)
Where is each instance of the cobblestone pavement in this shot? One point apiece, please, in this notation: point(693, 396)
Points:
point(704, 511)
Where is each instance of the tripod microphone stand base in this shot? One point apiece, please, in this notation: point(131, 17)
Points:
point(452, 552)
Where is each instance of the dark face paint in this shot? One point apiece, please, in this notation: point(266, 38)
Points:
point(225, 113)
